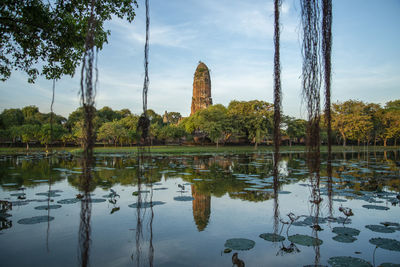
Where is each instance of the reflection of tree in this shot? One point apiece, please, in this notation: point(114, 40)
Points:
point(201, 208)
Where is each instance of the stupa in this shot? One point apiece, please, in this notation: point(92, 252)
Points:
point(201, 88)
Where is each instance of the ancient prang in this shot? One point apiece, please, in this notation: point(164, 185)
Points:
point(201, 88)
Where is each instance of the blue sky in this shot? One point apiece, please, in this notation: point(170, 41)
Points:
point(235, 39)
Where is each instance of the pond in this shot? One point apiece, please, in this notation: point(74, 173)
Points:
point(200, 210)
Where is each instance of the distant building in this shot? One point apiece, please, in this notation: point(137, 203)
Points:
point(201, 88)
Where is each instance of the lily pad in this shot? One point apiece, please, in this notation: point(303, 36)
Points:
point(68, 201)
point(388, 264)
point(345, 261)
point(17, 194)
point(380, 228)
point(48, 194)
point(346, 231)
point(305, 240)
point(20, 203)
point(272, 237)
point(239, 244)
point(344, 238)
point(49, 207)
point(183, 198)
point(160, 188)
point(97, 200)
point(390, 224)
point(36, 219)
point(386, 243)
point(339, 200)
point(375, 207)
point(146, 204)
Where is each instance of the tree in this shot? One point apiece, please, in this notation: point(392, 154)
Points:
point(46, 136)
point(112, 131)
point(107, 114)
point(390, 121)
point(252, 118)
point(28, 132)
point(171, 132)
point(351, 120)
point(12, 117)
point(296, 129)
point(51, 34)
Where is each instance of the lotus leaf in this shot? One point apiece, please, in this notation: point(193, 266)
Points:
point(183, 198)
point(375, 207)
point(48, 207)
point(345, 261)
point(380, 228)
point(386, 243)
point(146, 204)
point(344, 238)
point(239, 244)
point(97, 200)
point(346, 231)
point(68, 201)
point(272, 237)
point(36, 219)
point(388, 264)
point(48, 194)
point(390, 224)
point(305, 240)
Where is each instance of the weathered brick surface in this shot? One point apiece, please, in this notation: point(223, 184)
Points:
point(201, 88)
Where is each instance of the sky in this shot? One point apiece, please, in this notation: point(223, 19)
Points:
point(234, 38)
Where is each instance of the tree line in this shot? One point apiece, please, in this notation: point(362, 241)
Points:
point(241, 122)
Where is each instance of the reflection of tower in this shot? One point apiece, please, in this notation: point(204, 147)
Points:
point(201, 208)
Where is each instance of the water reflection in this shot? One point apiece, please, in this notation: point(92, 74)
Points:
point(201, 208)
point(144, 211)
point(231, 181)
point(85, 183)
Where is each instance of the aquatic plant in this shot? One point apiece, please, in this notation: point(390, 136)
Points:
point(239, 244)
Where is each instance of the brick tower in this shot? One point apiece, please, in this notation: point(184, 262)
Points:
point(201, 88)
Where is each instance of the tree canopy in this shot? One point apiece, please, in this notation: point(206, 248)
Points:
point(47, 37)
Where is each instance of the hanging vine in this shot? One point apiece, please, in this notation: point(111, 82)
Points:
point(277, 111)
point(326, 51)
point(311, 83)
point(87, 93)
point(144, 122)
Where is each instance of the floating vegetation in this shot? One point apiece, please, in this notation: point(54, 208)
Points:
point(20, 202)
point(344, 238)
point(346, 231)
point(345, 261)
point(271, 237)
point(36, 219)
point(17, 194)
point(48, 194)
point(339, 200)
point(388, 264)
point(48, 207)
point(145, 205)
point(386, 243)
point(97, 200)
point(375, 207)
point(160, 188)
point(305, 240)
point(183, 198)
point(68, 201)
point(239, 244)
point(380, 228)
point(227, 250)
point(390, 224)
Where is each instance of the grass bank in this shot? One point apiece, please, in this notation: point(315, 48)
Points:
point(195, 149)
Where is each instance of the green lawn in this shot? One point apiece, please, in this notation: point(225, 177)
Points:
point(193, 149)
